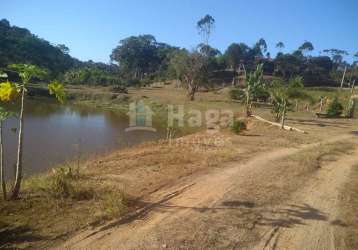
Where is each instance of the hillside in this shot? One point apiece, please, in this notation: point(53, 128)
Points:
point(19, 45)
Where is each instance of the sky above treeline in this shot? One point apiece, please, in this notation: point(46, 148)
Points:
point(92, 28)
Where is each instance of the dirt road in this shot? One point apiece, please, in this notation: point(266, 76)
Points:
point(237, 206)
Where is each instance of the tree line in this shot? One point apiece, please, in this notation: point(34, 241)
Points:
point(139, 60)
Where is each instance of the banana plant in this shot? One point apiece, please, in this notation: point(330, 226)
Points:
point(254, 83)
point(281, 95)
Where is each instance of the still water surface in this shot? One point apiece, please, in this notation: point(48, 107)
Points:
point(55, 134)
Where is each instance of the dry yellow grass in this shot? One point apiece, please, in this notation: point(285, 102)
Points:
point(349, 210)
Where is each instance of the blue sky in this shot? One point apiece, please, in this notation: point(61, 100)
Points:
point(92, 28)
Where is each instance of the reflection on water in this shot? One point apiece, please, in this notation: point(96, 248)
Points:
point(57, 133)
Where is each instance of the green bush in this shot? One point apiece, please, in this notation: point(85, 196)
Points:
point(119, 89)
point(334, 109)
point(238, 126)
point(64, 184)
point(261, 95)
point(237, 94)
point(115, 204)
point(134, 82)
point(61, 183)
point(350, 108)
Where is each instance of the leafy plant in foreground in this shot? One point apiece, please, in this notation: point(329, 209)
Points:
point(281, 95)
point(351, 108)
point(8, 92)
point(254, 84)
point(26, 73)
point(335, 108)
point(238, 126)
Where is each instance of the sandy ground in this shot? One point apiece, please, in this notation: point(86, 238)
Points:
point(257, 204)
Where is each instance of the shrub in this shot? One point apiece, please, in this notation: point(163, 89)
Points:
point(119, 89)
point(261, 95)
point(61, 183)
point(134, 82)
point(350, 108)
point(237, 94)
point(334, 109)
point(115, 204)
point(238, 126)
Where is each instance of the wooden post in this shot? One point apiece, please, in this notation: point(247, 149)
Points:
point(344, 75)
point(283, 115)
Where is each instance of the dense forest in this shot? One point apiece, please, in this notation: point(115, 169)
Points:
point(139, 60)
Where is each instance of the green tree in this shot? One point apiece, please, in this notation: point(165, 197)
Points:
point(261, 45)
point(190, 69)
point(140, 56)
point(235, 54)
point(63, 48)
point(337, 56)
point(306, 47)
point(288, 65)
point(208, 51)
point(280, 45)
point(136, 54)
point(19, 45)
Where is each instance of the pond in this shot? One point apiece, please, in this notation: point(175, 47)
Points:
point(56, 134)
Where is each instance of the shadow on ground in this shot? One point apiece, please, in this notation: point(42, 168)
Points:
point(319, 122)
point(12, 235)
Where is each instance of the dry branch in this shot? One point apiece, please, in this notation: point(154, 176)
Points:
point(279, 125)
